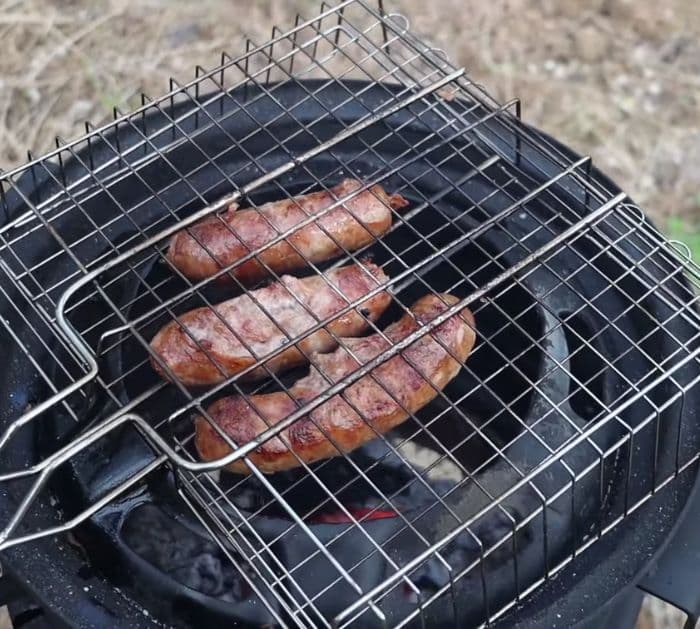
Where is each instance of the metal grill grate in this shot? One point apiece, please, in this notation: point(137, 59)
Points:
point(255, 105)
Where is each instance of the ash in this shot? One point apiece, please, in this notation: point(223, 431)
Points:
point(421, 457)
point(190, 559)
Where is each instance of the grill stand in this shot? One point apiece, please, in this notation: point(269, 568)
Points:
point(673, 575)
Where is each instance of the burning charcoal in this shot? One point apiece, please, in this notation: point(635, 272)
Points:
point(191, 560)
point(372, 451)
point(248, 497)
point(431, 575)
point(358, 513)
point(495, 526)
point(490, 530)
point(204, 575)
point(235, 588)
point(442, 486)
point(461, 551)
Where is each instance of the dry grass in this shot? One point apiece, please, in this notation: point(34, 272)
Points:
point(67, 62)
point(619, 79)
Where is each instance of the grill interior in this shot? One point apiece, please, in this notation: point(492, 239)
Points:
point(570, 413)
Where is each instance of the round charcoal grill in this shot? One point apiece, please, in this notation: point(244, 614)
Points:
point(585, 351)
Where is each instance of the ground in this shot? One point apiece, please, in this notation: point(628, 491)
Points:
point(616, 79)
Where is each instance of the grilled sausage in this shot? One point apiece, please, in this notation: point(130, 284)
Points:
point(383, 399)
point(229, 236)
point(207, 345)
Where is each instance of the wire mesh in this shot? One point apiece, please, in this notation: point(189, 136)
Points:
point(235, 135)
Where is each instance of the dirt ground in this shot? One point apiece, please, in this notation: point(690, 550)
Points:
point(618, 79)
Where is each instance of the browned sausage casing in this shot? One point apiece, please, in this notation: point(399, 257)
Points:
point(208, 345)
point(229, 236)
point(383, 399)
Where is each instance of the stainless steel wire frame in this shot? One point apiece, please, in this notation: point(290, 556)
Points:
point(350, 40)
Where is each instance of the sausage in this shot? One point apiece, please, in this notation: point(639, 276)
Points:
point(265, 319)
point(383, 399)
point(229, 236)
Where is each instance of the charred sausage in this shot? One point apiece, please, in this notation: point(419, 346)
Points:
point(208, 345)
point(373, 405)
point(229, 236)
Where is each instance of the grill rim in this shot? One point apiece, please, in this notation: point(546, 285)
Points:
point(32, 558)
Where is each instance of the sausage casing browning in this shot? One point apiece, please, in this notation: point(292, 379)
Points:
point(229, 236)
point(383, 399)
point(207, 345)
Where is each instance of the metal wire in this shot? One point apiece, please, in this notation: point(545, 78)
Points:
point(350, 41)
